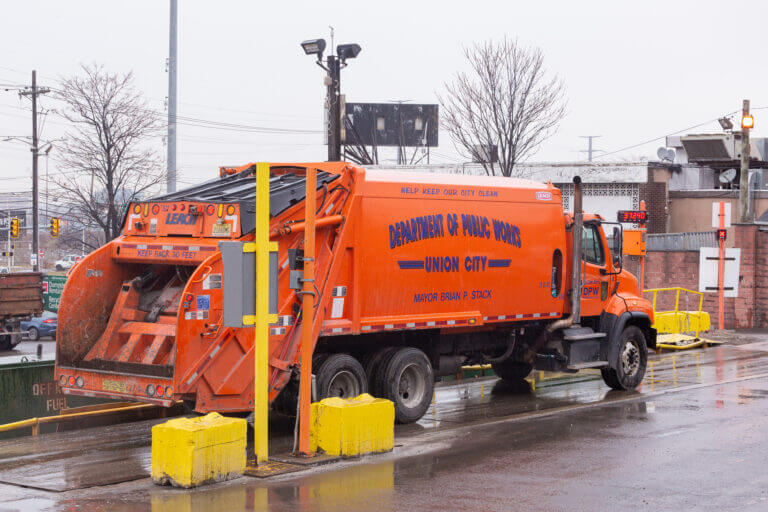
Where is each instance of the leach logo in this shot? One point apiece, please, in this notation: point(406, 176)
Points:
point(179, 218)
point(544, 196)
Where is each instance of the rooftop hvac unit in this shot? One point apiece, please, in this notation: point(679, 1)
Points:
point(724, 147)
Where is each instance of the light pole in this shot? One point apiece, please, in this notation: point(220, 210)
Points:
point(332, 66)
point(747, 123)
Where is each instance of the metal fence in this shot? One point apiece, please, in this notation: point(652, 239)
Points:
point(692, 241)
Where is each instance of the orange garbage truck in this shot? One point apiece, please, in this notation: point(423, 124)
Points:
point(416, 274)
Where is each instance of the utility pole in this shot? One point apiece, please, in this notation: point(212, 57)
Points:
point(334, 110)
point(172, 58)
point(33, 93)
point(744, 215)
point(589, 151)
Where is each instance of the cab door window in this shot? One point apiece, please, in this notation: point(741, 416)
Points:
point(592, 246)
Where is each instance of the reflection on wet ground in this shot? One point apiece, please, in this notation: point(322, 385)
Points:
point(480, 443)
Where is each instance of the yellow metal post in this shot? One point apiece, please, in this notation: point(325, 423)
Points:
point(261, 326)
point(698, 325)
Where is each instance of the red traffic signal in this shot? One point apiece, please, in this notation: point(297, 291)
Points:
point(721, 234)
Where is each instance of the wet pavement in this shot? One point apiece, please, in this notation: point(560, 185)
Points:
point(692, 438)
point(28, 351)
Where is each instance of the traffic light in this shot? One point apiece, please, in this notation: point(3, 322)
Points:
point(14, 227)
point(54, 227)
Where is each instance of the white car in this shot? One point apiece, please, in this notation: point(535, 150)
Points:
point(4, 270)
point(67, 262)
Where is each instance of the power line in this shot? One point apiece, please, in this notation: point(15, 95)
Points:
point(661, 137)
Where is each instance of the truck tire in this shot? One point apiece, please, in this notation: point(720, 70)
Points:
point(340, 375)
point(374, 364)
point(8, 341)
point(512, 371)
point(628, 369)
point(408, 381)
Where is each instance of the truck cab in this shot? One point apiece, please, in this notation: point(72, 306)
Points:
point(613, 325)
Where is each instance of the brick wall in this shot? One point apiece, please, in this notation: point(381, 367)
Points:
point(655, 196)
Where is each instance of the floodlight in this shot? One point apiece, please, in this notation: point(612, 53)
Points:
point(314, 47)
point(747, 122)
point(725, 123)
point(348, 51)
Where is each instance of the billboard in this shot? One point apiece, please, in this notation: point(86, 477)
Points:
point(390, 124)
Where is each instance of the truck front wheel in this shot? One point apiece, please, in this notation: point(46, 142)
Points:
point(340, 375)
point(408, 381)
point(628, 367)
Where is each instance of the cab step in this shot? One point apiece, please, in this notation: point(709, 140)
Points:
point(581, 334)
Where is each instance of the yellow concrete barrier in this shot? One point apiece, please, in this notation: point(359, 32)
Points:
point(187, 452)
point(354, 426)
point(681, 321)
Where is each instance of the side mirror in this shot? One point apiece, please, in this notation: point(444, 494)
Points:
point(618, 236)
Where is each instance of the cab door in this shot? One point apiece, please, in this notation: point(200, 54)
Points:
point(594, 290)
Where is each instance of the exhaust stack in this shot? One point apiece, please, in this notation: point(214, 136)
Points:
point(578, 226)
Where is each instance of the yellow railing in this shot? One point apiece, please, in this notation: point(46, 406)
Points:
point(84, 412)
point(676, 313)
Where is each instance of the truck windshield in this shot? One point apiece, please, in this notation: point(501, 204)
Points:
point(592, 246)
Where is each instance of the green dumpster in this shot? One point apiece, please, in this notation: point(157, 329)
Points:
point(27, 390)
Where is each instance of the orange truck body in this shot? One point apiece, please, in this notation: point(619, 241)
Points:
point(399, 256)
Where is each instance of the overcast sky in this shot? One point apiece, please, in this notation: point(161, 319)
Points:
point(633, 70)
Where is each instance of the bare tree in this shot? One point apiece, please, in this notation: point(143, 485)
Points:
point(507, 101)
point(106, 159)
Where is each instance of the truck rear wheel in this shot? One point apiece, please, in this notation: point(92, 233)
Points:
point(512, 371)
point(375, 364)
point(408, 381)
point(628, 368)
point(340, 375)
